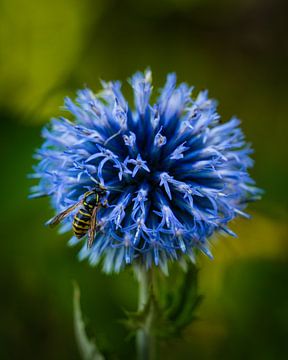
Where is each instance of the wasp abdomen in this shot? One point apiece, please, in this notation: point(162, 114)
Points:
point(81, 222)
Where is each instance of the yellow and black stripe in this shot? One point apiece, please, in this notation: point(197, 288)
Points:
point(81, 222)
point(90, 201)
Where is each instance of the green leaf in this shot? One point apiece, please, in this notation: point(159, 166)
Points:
point(169, 318)
point(87, 348)
point(183, 302)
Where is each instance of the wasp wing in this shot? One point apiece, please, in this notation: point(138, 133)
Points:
point(92, 228)
point(59, 217)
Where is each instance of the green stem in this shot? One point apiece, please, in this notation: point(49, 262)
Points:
point(145, 340)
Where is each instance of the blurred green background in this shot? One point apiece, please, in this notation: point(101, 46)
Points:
point(239, 51)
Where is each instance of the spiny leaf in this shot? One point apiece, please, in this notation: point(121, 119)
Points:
point(88, 349)
point(152, 313)
point(171, 317)
point(182, 303)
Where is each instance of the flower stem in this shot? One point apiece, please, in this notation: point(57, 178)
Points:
point(145, 340)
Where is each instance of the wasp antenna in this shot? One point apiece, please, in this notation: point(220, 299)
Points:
point(92, 178)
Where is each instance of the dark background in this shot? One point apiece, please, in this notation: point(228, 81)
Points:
point(236, 49)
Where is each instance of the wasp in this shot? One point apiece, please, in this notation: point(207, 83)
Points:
point(85, 220)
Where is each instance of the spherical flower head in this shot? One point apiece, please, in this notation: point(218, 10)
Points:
point(174, 173)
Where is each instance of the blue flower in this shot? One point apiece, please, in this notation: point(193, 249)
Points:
point(175, 173)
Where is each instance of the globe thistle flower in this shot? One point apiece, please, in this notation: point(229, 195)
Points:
point(175, 174)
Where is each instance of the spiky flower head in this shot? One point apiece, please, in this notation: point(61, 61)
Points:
point(175, 173)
